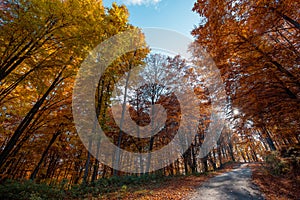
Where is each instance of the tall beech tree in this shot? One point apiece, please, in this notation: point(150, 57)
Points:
point(42, 46)
point(255, 46)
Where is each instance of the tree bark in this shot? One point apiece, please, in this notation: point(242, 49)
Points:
point(26, 121)
point(37, 168)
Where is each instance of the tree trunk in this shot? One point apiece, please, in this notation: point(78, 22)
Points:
point(26, 121)
point(231, 151)
point(37, 168)
point(220, 156)
point(204, 162)
point(87, 163)
point(194, 165)
point(96, 165)
point(268, 139)
point(117, 156)
point(287, 18)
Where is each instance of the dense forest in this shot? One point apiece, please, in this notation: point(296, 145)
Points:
point(255, 44)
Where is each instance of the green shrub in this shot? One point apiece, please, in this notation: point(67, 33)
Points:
point(28, 190)
point(275, 164)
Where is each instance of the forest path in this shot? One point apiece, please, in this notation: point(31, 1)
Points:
point(236, 184)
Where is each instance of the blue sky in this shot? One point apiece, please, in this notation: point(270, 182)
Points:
point(170, 14)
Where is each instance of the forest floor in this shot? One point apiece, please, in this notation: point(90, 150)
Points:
point(283, 187)
point(235, 181)
point(173, 188)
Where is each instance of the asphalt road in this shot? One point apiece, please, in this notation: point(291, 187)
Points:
point(235, 184)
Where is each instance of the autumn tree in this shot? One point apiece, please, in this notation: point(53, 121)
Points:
point(255, 46)
point(42, 46)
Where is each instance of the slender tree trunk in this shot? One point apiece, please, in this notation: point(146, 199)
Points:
point(253, 153)
point(220, 156)
point(287, 18)
point(152, 134)
point(37, 168)
point(211, 160)
point(26, 121)
point(87, 163)
point(194, 165)
point(243, 155)
point(96, 165)
point(204, 162)
point(186, 169)
point(278, 66)
point(268, 139)
point(230, 148)
point(224, 153)
point(117, 155)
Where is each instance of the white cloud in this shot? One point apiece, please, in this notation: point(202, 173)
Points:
point(141, 2)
